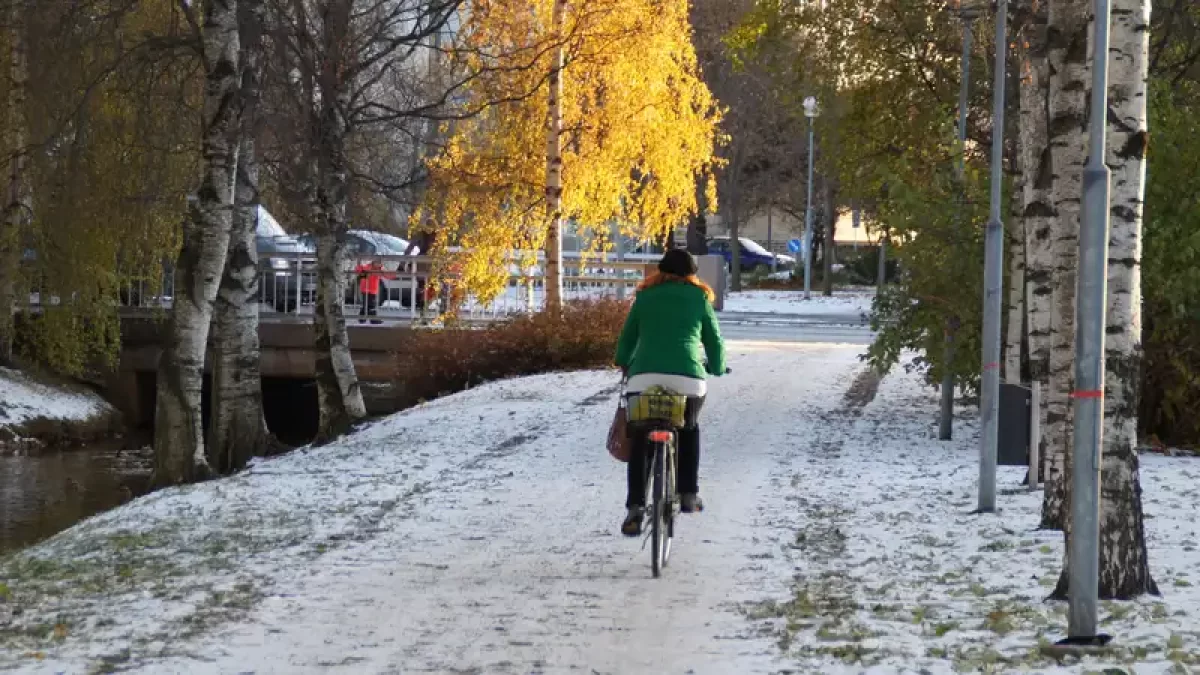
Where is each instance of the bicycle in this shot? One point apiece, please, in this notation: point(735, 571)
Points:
point(660, 413)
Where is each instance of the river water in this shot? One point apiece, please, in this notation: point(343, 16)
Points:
point(43, 495)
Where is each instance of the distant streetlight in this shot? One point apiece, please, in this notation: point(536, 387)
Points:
point(810, 111)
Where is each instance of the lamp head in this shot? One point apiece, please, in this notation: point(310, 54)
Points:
point(810, 106)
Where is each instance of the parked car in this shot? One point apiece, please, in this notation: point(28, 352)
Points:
point(754, 256)
point(287, 265)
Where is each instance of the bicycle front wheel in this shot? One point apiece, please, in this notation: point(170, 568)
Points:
point(660, 538)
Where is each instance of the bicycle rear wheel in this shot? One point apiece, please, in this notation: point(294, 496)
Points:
point(670, 501)
point(660, 538)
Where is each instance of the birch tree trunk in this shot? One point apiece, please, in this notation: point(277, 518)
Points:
point(338, 393)
point(1014, 342)
point(178, 429)
point(1124, 564)
point(1014, 347)
point(238, 429)
point(1067, 40)
point(16, 203)
point(554, 164)
point(1015, 329)
point(1038, 210)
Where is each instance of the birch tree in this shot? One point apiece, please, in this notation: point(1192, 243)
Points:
point(1016, 321)
point(1124, 563)
point(638, 129)
point(1016, 250)
point(1067, 40)
point(238, 429)
point(178, 430)
point(348, 70)
point(554, 160)
point(1038, 214)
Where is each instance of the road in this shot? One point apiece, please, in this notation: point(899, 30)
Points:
point(513, 563)
point(825, 328)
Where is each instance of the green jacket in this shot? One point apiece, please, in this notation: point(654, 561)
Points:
point(665, 330)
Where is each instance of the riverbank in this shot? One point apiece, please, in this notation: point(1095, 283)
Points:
point(40, 414)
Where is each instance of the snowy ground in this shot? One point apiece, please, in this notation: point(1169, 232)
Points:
point(478, 534)
point(23, 399)
point(893, 572)
point(850, 302)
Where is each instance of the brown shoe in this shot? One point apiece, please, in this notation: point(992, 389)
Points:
point(632, 526)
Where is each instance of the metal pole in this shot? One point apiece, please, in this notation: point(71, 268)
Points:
point(808, 216)
point(1083, 559)
point(993, 277)
point(946, 425)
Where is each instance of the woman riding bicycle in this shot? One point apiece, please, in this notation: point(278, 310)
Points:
point(672, 316)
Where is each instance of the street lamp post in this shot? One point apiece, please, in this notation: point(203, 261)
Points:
point(1083, 564)
point(993, 279)
point(968, 14)
point(810, 111)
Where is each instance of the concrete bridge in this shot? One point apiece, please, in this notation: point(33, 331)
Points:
point(288, 359)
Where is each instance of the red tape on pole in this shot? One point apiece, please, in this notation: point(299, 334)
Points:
point(991, 366)
point(1092, 393)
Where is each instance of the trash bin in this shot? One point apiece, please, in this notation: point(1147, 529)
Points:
point(1013, 437)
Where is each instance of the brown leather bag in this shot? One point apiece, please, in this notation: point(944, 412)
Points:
point(618, 439)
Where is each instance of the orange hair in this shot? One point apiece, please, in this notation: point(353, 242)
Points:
point(662, 278)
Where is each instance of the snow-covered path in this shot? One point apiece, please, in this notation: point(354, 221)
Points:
point(511, 562)
point(478, 534)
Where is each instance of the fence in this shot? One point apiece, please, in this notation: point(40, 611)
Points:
point(288, 288)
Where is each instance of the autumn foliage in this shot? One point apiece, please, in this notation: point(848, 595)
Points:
point(433, 363)
point(639, 130)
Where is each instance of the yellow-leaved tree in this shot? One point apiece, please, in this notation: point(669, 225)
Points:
point(594, 113)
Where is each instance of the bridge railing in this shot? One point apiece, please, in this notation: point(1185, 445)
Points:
point(288, 285)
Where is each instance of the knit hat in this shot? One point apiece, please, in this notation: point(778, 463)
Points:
point(679, 262)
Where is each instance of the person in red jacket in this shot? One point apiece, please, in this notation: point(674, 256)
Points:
point(369, 275)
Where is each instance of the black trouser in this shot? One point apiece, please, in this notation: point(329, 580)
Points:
point(687, 457)
point(369, 305)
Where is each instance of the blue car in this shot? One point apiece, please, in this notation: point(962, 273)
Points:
point(754, 256)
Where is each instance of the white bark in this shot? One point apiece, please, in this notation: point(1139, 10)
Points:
point(178, 431)
point(1015, 348)
point(238, 429)
point(338, 393)
point(16, 202)
point(1124, 566)
point(1069, 81)
point(1038, 212)
point(554, 164)
point(1015, 325)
